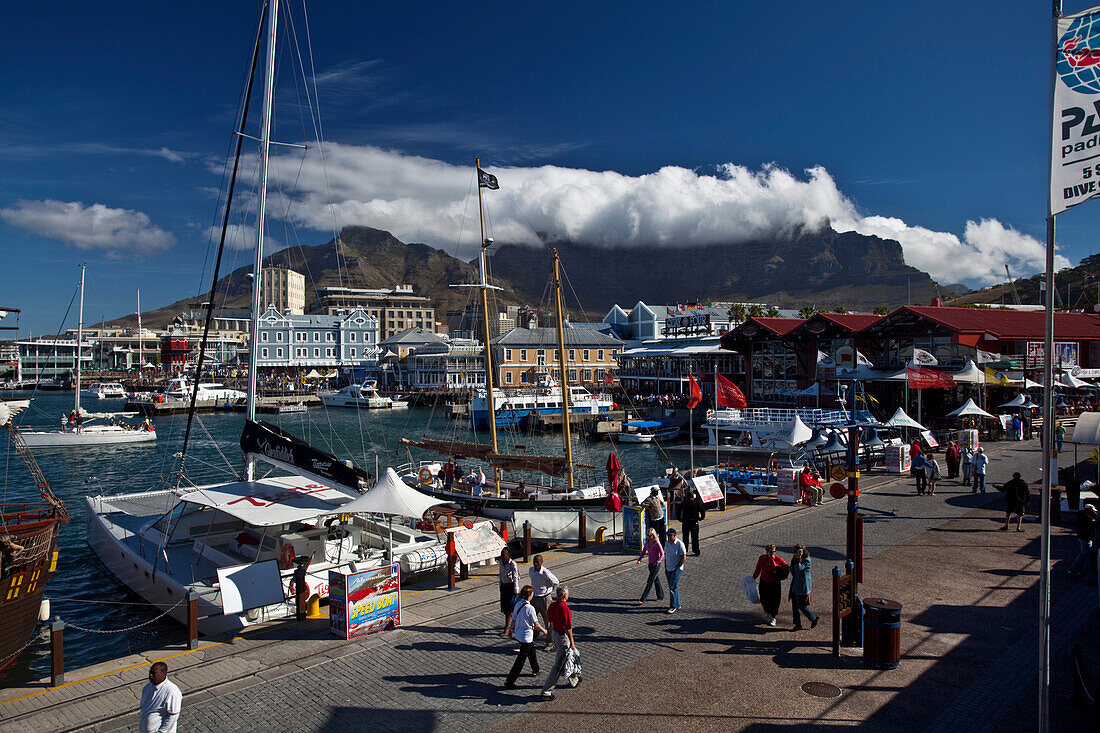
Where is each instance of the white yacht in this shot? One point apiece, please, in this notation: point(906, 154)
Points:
point(767, 427)
point(104, 391)
point(359, 395)
point(512, 407)
point(180, 389)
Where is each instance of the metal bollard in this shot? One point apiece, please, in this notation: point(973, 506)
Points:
point(582, 529)
point(300, 592)
point(452, 558)
point(526, 540)
point(57, 652)
point(192, 620)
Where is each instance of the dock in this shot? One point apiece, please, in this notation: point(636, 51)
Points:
point(153, 408)
point(444, 669)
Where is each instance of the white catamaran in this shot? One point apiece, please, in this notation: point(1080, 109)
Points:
point(165, 544)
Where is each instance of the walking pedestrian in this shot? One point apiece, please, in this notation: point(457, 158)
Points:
point(981, 462)
point(967, 465)
point(692, 511)
point(953, 456)
point(769, 569)
point(1086, 537)
point(1059, 435)
point(920, 473)
point(655, 553)
point(544, 582)
point(655, 511)
point(561, 631)
point(675, 554)
point(801, 586)
point(448, 474)
point(1017, 497)
point(161, 700)
point(523, 623)
point(932, 470)
point(508, 575)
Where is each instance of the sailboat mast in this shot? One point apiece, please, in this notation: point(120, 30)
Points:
point(484, 287)
point(79, 337)
point(141, 351)
point(564, 361)
point(257, 263)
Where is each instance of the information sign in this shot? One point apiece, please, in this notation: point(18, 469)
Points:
point(364, 602)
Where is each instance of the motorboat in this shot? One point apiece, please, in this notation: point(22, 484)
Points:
point(767, 428)
point(180, 388)
point(513, 407)
point(104, 391)
point(358, 395)
point(646, 431)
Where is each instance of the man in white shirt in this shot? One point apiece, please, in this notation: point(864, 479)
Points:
point(525, 623)
point(675, 554)
point(160, 702)
point(544, 582)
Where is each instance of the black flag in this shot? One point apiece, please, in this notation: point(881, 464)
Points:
point(487, 180)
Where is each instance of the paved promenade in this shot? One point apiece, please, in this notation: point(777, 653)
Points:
point(969, 619)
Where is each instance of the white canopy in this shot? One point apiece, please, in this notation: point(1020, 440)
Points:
point(271, 501)
point(1020, 400)
point(901, 420)
point(1025, 383)
point(811, 391)
point(865, 373)
point(969, 408)
point(969, 374)
point(794, 433)
point(1087, 430)
point(391, 496)
point(1071, 381)
point(313, 374)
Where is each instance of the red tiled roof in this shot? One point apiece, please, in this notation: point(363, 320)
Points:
point(852, 321)
point(779, 326)
point(1010, 324)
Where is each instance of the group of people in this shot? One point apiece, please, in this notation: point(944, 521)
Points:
point(926, 471)
point(772, 570)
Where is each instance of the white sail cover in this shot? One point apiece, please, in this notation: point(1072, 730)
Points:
point(969, 408)
point(901, 420)
point(391, 496)
point(969, 374)
point(272, 501)
point(11, 408)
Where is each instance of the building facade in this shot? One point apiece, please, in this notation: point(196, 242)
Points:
point(395, 310)
point(283, 289)
point(458, 364)
point(666, 367)
point(340, 340)
point(522, 354)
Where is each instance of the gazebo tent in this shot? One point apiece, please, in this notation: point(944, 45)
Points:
point(1019, 400)
point(1069, 380)
point(794, 433)
point(393, 497)
point(970, 374)
point(901, 420)
point(811, 391)
point(969, 408)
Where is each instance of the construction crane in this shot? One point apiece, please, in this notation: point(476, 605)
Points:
point(1013, 283)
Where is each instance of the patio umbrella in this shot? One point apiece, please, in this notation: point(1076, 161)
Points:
point(613, 467)
point(393, 497)
point(901, 420)
point(969, 408)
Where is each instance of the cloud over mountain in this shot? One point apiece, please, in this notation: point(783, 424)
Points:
point(424, 200)
point(114, 231)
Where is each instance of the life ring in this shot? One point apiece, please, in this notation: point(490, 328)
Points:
point(286, 557)
point(425, 476)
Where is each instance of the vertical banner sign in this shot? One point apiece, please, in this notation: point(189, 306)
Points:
point(1075, 159)
point(364, 602)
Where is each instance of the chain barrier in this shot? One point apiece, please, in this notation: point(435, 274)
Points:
point(110, 603)
point(129, 628)
point(18, 651)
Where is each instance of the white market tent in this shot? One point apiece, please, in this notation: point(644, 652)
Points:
point(794, 433)
point(1020, 400)
point(969, 408)
point(393, 497)
point(811, 391)
point(865, 373)
point(1069, 380)
point(901, 420)
point(1025, 383)
point(969, 374)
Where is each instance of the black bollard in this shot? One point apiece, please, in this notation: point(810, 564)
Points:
point(57, 652)
point(582, 529)
point(192, 620)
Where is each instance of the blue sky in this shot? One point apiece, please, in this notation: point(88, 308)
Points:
point(613, 122)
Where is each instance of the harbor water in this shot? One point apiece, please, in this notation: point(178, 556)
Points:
point(83, 593)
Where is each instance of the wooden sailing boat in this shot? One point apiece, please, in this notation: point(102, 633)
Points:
point(28, 548)
point(504, 497)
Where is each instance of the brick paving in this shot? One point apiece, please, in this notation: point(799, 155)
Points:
point(446, 674)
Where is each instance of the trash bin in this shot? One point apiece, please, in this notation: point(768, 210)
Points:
point(881, 633)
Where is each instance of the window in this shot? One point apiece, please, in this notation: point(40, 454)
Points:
point(351, 337)
point(599, 355)
point(263, 336)
point(523, 355)
point(541, 353)
point(586, 354)
point(317, 337)
point(352, 352)
point(556, 355)
point(572, 375)
point(279, 336)
point(299, 336)
point(507, 355)
point(279, 352)
point(328, 352)
point(263, 353)
point(572, 355)
point(508, 377)
point(316, 353)
point(523, 378)
point(586, 375)
point(328, 337)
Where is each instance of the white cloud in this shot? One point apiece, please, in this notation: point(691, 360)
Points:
point(424, 200)
point(115, 231)
point(241, 236)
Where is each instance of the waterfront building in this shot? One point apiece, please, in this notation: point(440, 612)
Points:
point(522, 354)
point(665, 366)
point(394, 309)
point(345, 339)
point(51, 358)
point(283, 289)
point(396, 349)
point(455, 364)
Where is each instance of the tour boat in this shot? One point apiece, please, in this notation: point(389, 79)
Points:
point(238, 544)
point(513, 407)
point(180, 388)
point(358, 395)
point(104, 391)
point(28, 548)
point(646, 431)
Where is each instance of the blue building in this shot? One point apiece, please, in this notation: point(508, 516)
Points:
point(346, 339)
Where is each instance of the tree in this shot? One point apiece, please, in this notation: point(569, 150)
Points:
point(807, 311)
point(737, 313)
point(756, 310)
point(880, 310)
point(773, 312)
point(840, 309)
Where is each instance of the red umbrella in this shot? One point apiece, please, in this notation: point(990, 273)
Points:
point(613, 467)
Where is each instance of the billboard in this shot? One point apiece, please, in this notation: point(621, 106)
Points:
point(364, 602)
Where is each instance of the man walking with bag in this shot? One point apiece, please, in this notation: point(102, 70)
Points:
point(655, 512)
point(561, 631)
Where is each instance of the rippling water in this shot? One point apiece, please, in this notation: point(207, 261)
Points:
point(214, 455)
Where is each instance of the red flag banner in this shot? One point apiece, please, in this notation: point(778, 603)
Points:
point(728, 394)
point(696, 393)
point(608, 379)
point(928, 379)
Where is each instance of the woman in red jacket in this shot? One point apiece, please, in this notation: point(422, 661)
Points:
point(772, 570)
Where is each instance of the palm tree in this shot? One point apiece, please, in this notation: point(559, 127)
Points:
point(807, 311)
point(880, 310)
point(756, 310)
point(737, 313)
point(773, 312)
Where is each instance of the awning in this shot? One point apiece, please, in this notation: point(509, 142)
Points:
point(969, 408)
point(901, 420)
point(865, 373)
point(811, 391)
point(270, 502)
point(969, 374)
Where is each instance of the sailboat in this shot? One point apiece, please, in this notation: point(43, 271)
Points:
point(80, 432)
point(28, 548)
point(238, 544)
point(504, 497)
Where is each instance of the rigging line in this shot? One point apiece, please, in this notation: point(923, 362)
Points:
point(221, 246)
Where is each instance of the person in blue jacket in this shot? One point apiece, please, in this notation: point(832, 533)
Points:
point(801, 585)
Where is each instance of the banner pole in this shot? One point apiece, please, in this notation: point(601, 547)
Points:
point(1048, 408)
